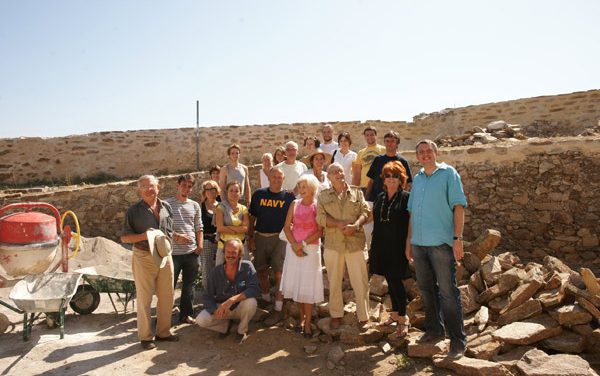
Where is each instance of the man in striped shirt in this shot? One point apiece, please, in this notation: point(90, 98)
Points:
point(187, 243)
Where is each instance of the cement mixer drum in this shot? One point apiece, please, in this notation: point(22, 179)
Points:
point(28, 241)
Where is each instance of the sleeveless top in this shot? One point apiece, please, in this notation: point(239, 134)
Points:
point(207, 220)
point(231, 219)
point(237, 174)
point(305, 221)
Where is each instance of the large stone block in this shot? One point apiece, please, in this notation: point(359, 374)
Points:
point(485, 243)
point(566, 342)
point(424, 350)
point(522, 294)
point(537, 363)
point(481, 318)
point(468, 296)
point(483, 347)
point(378, 285)
point(490, 270)
point(528, 309)
point(591, 283)
point(470, 366)
point(571, 315)
point(529, 331)
point(550, 298)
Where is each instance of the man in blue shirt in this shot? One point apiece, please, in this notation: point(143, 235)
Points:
point(436, 205)
point(230, 293)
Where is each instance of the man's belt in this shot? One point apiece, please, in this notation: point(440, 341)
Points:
point(211, 237)
point(267, 234)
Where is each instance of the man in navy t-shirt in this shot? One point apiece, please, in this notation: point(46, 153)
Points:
point(268, 210)
point(375, 186)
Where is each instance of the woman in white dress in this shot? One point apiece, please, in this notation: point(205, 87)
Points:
point(344, 156)
point(302, 278)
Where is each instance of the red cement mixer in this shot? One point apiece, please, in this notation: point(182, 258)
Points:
point(29, 241)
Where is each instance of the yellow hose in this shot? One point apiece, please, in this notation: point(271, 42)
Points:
point(77, 234)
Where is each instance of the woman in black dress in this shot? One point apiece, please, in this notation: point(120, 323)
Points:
point(390, 229)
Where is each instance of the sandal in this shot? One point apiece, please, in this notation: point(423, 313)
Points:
point(392, 318)
point(403, 326)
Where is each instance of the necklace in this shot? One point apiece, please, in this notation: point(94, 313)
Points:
point(389, 208)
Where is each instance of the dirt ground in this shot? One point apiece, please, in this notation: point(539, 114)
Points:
point(104, 343)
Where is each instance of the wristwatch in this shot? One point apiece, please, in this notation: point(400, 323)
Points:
point(457, 237)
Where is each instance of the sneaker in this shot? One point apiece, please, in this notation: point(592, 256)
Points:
point(187, 320)
point(432, 338)
point(148, 345)
point(171, 338)
point(456, 353)
point(240, 338)
point(273, 318)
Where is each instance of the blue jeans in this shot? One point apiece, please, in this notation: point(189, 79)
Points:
point(188, 264)
point(436, 278)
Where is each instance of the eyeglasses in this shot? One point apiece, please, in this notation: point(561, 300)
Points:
point(395, 176)
point(211, 189)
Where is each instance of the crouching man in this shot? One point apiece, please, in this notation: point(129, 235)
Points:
point(230, 293)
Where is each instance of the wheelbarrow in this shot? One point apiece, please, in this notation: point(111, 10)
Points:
point(87, 297)
point(44, 293)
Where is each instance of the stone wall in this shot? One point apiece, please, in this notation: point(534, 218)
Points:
point(543, 195)
point(168, 151)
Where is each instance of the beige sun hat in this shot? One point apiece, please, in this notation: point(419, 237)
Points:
point(160, 247)
point(309, 158)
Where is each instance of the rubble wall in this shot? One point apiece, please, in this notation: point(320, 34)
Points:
point(543, 195)
point(169, 151)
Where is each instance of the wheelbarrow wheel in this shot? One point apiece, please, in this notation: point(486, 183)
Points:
point(4, 323)
point(85, 300)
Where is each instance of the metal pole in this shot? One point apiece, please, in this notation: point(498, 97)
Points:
point(197, 135)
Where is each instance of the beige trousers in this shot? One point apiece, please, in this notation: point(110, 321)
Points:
point(243, 312)
point(150, 280)
point(359, 279)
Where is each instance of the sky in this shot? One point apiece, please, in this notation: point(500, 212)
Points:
point(76, 67)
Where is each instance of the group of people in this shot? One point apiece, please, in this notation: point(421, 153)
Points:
point(359, 213)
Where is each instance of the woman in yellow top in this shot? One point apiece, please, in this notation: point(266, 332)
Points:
point(232, 220)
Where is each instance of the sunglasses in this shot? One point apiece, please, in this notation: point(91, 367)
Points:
point(395, 176)
point(211, 189)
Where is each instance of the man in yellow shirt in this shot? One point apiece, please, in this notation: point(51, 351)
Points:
point(361, 166)
point(365, 157)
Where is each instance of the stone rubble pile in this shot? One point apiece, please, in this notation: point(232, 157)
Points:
point(533, 319)
point(493, 132)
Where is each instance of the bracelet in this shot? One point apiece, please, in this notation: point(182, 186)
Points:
point(457, 237)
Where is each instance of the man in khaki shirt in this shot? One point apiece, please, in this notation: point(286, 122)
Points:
point(342, 210)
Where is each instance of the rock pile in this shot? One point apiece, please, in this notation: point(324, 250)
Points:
point(515, 312)
point(493, 132)
point(519, 319)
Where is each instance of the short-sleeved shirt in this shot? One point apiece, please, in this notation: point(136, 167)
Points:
point(350, 208)
point(291, 172)
point(364, 159)
point(187, 219)
point(431, 205)
point(329, 148)
point(376, 168)
point(139, 218)
point(270, 209)
point(346, 161)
